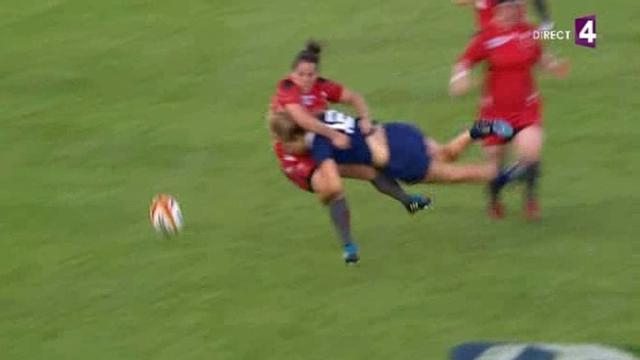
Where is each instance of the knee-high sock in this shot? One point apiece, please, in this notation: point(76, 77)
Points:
point(531, 179)
point(517, 171)
point(341, 218)
point(390, 187)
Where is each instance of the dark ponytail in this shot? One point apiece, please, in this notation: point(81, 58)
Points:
point(310, 54)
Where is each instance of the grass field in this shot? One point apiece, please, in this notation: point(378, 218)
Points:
point(105, 103)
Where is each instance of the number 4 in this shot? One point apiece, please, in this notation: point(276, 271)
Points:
point(587, 32)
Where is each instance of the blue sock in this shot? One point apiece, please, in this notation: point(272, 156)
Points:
point(507, 175)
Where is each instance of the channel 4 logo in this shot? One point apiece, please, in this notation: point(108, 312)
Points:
point(585, 31)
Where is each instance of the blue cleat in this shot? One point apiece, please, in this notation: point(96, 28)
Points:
point(417, 203)
point(503, 129)
point(351, 253)
point(483, 128)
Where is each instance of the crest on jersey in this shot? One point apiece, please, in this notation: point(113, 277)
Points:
point(308, 100)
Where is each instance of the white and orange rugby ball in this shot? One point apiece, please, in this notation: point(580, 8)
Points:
point(165, 215)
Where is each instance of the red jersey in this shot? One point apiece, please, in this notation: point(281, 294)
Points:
point(511, 54)
point(317, 100)
point(300, 167)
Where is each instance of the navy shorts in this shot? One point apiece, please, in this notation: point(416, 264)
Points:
point(409, 160)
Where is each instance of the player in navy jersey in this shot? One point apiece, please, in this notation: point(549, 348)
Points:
point(398, 151)
point(402, 152)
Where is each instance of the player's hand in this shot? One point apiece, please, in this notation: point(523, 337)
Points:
point(365, 126)
point(340, 140)
point(461, 81)
point(460, 86)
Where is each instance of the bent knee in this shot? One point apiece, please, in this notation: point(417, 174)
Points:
point(327, 189)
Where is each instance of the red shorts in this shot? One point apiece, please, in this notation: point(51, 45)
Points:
point(530, 115)
point(297, 168)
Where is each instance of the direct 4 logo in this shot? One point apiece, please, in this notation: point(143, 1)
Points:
point(586, 31)
point(519, 351)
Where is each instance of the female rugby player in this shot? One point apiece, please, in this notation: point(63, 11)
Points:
point(300, 96)
point(397, 150)
point(509, 93)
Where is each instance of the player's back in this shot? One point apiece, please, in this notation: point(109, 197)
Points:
point(357, 153)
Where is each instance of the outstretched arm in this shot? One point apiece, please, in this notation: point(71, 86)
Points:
point(460, 82)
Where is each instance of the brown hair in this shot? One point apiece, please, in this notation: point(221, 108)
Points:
point(310, 54)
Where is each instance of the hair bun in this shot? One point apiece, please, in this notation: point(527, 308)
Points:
point(313, 47)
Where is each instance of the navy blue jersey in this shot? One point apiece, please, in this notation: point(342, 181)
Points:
point(322, 148)
point(408, 155)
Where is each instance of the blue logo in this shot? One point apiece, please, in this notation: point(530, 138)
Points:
point(523, 351)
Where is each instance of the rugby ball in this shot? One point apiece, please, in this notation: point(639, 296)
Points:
point(165, 215)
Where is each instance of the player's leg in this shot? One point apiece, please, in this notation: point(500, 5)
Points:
point(385, 185)
point(528, 146)
point(481, 129)
point(327, 185)
point(495, 152)
point(443, 172)
point(450, 151)
point(531, 178)
point(390, 187)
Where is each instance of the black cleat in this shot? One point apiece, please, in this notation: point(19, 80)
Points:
point(417, 203)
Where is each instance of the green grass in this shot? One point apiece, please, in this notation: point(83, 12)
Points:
point(105, 103)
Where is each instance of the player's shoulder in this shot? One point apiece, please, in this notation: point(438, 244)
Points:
point(489, 31)
point(323, 81)
point(286, 85)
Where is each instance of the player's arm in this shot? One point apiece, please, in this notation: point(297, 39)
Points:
point(358, 102)
point(461, 82)
point(308, 122)
point(555, 66)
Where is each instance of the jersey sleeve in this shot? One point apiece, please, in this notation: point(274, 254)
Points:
point(288, 93)
point(333, 90)
point(475, 52)
point(321, 149)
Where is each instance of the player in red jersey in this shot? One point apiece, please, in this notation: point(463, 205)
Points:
point(485, 9)
point(510, 93)
point(301, 96)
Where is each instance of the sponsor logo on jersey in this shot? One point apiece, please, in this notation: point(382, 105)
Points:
point(308, 100)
